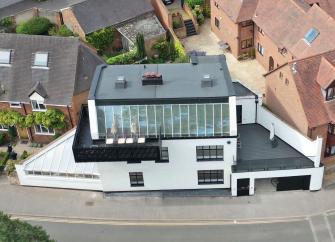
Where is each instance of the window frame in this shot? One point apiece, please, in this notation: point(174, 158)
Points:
point(164, 153)
point(331, 128)
point(260, 30)
point(260, 49)
point(328, 96)
point(210, 177)
point(41, 132)
point(8, 51)
point(38, 104)
point(209, 153)
point(246, 41)
point(138, 180)
point(217, 22)
point(15, 105)
point(41, 66)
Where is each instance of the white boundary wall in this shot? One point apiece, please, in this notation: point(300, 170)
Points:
point(309, 148)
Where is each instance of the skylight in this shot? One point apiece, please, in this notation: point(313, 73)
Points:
point(311, 35)
point(41, 59)
point(5, 56)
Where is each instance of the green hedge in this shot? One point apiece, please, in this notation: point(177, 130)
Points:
point(101, 39)
point(125, 58)
point(62, 31)
point(34, 26)
point(3, 160)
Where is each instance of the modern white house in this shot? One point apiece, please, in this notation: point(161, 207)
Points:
point(175, 127)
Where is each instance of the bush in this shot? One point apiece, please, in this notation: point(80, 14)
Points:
point(201, 18)
point(24, 155)
point(10, 167)
point(206, 11)
point(36, 25)
point(140, 46)
point(126, 58)
point(16, 230)
point(181, 55)
point(177, 24)
point(6, 22)
point(192, 3)
point(12, 132)
point(162, 47)
point(3, 160)
point(2, 138)
point(101, 39)
point(62, 31)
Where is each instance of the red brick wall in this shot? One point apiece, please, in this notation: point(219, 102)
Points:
point(72, 23)
point(162, 13)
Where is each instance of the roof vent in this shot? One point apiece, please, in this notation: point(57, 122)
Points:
point(120, 82)
point(194, 60)
point(152, 78)
point(294, 67)
point(207, 81)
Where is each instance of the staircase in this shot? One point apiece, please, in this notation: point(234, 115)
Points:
point(190, 29)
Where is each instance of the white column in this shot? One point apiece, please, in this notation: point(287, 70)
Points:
point(252, 186)
point(232, 116)
point(316, 179)
point(233, 186)
point(92, 110)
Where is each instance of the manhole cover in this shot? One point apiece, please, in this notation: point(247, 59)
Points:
point(89, 203)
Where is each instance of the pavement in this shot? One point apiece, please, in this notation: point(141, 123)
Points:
point(248, 72)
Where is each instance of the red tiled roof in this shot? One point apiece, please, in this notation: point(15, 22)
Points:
point(286, 22)
point(326, 5)
point(238, 10)
point(318, 111)
point(326, 74)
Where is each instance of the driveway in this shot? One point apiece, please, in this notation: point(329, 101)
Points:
point(249, 72)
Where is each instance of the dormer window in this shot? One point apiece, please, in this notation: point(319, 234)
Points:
point(330, 93)
point(38, 105)
point(5, 57)
point(311, 35)
point(41, 59)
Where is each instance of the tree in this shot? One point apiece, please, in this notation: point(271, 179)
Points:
point(36, 25)
point(102, 38)
point(12, 230)
point(140, 45)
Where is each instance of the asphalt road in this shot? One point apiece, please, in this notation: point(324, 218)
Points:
point(293, 231)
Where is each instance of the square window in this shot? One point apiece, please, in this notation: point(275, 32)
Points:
point(207, 177)
point(38, 105)
point(164, 155)
point(42, 130)
point(41, 59)
point(136, 179)
point(209, 153)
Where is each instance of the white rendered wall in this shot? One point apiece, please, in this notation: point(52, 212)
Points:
point(179, 173)
point(232, 116)
point(57, 182)
point(315, 173)
point(92, 111)
point(248, 109)
point(309, 148)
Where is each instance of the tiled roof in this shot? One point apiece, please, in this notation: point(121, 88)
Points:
point(326, 5)
point(70, 69)
point(93, 15)
point(287, 22)
point(317, 110)
point(238, 11)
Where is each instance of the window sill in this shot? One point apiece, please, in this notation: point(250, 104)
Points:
point(45, 134)
point(39, 110)
point(210, 183)
point(162, 161)
point(206, 160)
point(40, 67)
point(137, 185)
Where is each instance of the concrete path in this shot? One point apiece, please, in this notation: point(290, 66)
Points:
point(248, 72)
point(82, 204)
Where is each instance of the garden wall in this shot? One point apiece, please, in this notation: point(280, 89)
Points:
point(53, 16)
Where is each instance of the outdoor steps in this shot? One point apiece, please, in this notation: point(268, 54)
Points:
point(190, 29)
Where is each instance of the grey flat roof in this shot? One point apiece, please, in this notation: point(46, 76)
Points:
point(180, 81)
point(257, 154)
point(241, 90)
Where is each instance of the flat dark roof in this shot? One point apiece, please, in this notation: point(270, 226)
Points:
point(258, 154)
point(242, 91)
point(180, 81)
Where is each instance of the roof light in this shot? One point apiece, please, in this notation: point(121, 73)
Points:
point(311, 35)
point(5, 56)
point(41, 59)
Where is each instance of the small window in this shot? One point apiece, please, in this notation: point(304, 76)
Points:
point(206, 177)
point(311, 35)
point(216, 5)
point(281, 75)
point(164, 155)
point(330, 150)
point(217, 23)
point(210, 153)
point(3, 127)
point(40, 129)
point(331, 128)
point(260, 30)
point(38, 105)
point(330, 93)
point(41, 59)
point(136, 179)
point(260, 49)
point(287, 82)
point(246, 43)
point(5, 56)
point(15, 104)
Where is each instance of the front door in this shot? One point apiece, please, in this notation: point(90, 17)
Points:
point(243, 187)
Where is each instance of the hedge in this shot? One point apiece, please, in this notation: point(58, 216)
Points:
point(125, 58)
point(34, 26)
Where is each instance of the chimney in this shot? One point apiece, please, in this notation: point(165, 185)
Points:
point(152, 78)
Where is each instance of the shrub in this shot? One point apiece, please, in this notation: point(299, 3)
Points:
point(180, 52)
point(10, 167)
point(177, 24)
point(192, 3)
point(36, 25)
point(201, 18)
point(3, 160)
point(140, 45)
point(2, 138)
point(52, 118)
point(24, 155)
point(125, 58)
point(102, 38)
point(16, 230)
point(62, 31)
point(12, 132)
point(206, 11)
point(6, 22)
point(162, 47)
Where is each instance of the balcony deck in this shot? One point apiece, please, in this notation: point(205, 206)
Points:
point(257, 153)
point(87, 150)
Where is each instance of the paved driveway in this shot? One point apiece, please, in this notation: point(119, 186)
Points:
point(248, 72)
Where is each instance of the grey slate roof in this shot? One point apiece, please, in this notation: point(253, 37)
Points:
point(180, 81)
point(242, 91)
point(66, 74)
point(93, 15)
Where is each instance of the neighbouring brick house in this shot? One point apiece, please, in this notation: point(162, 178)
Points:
point(42, 72)
point(280, 30)
point(302, 92)
point(126, 16)
point(231, 22)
